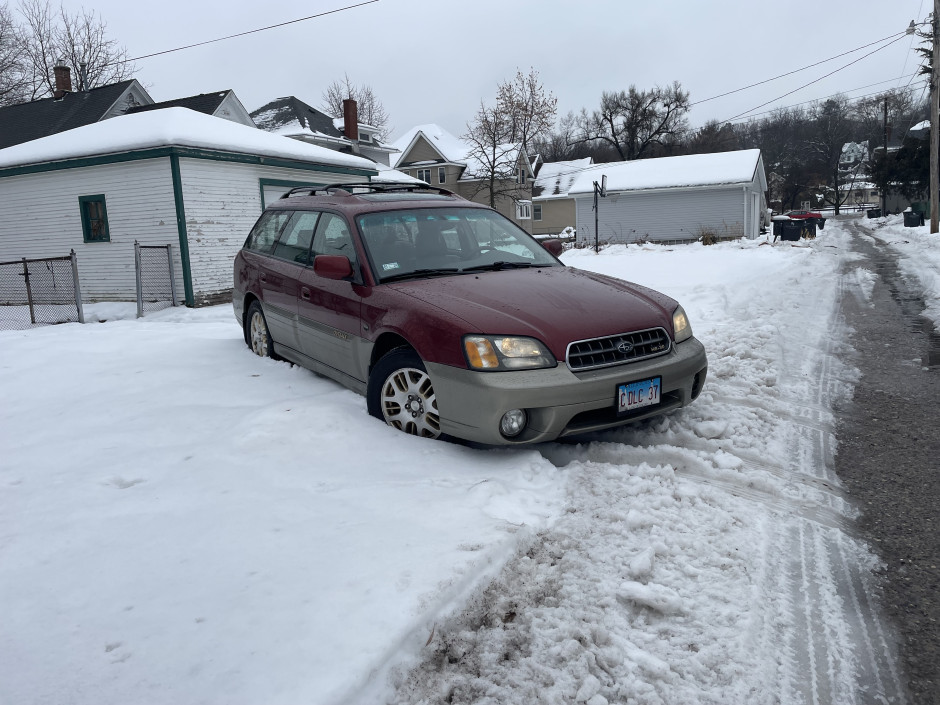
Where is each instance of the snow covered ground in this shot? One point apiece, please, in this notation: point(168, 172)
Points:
point(183, 522)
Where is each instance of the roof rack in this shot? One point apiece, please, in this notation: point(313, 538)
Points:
point(356, 188)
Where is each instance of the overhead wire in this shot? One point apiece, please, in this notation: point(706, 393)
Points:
point(251, 31)
point(817, 80)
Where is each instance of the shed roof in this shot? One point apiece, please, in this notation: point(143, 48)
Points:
point(40, 118)
point(716, 169)
point(556, 178)
point(171, 127)
point(206, 103)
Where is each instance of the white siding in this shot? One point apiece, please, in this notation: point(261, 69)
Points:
point(222, 201)
point(664, 215)
point(42, 219)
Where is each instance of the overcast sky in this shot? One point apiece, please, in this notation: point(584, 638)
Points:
point(434, 60)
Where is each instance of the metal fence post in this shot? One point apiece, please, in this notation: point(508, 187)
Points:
point(140, 291)
point(78, 287)
point(29, 293)
point(169, 259)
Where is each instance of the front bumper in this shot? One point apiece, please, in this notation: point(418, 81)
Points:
point(558, 401)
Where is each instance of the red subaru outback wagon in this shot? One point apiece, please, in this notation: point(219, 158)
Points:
point(454, 321)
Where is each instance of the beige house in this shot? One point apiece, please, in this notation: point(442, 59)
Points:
point(553, 209)
point(433, 155)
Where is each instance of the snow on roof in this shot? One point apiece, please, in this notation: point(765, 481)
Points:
point(923, 125)
point(555, 178)
point(672, 172)
point(171, 127)
point(388, 174)
point(452, 148)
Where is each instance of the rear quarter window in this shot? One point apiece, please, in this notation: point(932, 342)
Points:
point(264, 235)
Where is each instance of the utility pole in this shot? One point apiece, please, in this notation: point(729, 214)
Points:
point(934, 123)
point(884, 192)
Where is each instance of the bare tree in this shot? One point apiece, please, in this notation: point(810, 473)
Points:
point(635, 123)
point(831, 127)
point(493, 160)
point(12, 69)
point(370, 108)
point(47, 37)
point(526, 108)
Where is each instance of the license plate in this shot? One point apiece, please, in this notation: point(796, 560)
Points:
point(636, 395)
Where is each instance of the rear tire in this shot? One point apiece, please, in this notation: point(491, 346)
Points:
point(400, 393)
point(257, 335)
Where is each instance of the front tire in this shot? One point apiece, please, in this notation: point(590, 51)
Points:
point(257, 335)
point(400, 393)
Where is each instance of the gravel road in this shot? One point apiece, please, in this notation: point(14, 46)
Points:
point(889, 455)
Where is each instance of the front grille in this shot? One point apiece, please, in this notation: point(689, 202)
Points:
point(617, 349)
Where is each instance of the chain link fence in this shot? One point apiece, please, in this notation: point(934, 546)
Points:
point(156, 284)
point(35, 292)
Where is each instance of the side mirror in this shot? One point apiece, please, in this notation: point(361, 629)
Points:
point(332, 266)
point(553, 245)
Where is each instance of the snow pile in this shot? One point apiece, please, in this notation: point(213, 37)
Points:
point(920, 257)
point(184, 522)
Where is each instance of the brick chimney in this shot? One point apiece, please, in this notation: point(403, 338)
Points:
point(351, 122)
point(63, 79)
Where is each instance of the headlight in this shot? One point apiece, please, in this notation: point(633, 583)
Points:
point(494, 353)
point(680, 325)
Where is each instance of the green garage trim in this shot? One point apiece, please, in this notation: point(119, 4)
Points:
point(181, 227)
point(188, 152)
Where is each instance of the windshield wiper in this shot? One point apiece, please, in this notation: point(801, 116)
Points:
point(418, 273)
point(501, 264)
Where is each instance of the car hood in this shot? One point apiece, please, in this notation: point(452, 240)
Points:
point(557, 305)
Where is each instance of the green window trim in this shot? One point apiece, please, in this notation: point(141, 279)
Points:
point(94, 218)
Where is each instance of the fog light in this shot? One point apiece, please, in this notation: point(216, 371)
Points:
point(512, 423)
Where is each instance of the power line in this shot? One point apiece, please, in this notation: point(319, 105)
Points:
point(251, 31)
point(790, 73)
point(841, 68)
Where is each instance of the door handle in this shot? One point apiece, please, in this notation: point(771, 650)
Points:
point(305, 293)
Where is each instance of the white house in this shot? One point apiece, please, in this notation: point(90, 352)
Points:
point(673, 199)
point(171, 176)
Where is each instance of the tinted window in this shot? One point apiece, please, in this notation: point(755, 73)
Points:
point(264, 234)
point(294, 243)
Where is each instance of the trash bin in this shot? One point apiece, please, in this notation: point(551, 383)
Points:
point(821, 223)
point(913, 219)
point(874, 212)
point(791, 230)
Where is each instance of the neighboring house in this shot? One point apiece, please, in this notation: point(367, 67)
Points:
point(857, 194)
point(433, 155)
point(291, 117)
point(172, 176)
point(221, 104)
point(553, 208)
point(673, 199)
point(68, 109)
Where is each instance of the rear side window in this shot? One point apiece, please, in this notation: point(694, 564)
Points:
point(294, 243)
point(264, 234)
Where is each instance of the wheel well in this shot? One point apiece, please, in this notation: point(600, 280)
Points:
point(385, 344)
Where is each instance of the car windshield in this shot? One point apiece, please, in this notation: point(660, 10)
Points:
point(428, 242)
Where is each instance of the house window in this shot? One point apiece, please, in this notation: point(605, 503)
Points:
point(520, 175)
point(424, 175)
point(441, 175)
point(537, 211)
point(524, 210)
point(94, 218)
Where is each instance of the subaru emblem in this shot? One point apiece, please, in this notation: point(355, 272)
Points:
point(625, 347)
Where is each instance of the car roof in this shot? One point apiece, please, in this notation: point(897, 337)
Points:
point(355, 198)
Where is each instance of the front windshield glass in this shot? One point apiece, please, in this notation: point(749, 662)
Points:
point(425, 242)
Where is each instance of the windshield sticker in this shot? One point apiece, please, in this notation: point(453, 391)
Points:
point(390, 265)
